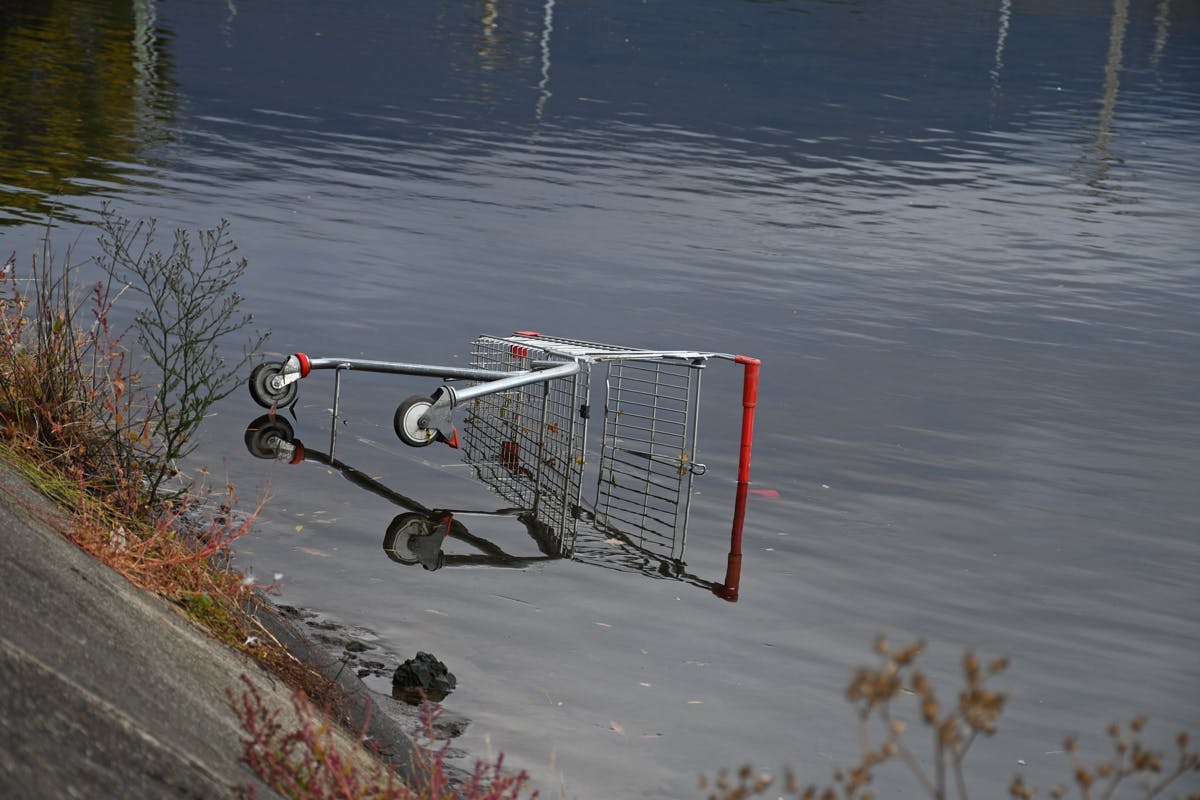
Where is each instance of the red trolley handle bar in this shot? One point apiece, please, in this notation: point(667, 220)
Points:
point(733, 567)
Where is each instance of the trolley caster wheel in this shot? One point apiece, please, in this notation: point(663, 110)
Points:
point(265, 435)
point(264, 392)
point(408, 418)
point(402, 529)
point(417, 539)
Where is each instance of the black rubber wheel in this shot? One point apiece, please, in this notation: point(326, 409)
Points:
point(407, 421)
point(267, 395)
point(403, 528)
point(264, 435)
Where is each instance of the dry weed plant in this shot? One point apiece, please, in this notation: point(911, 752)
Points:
point(192, 311)
point(302, 760)
point(69, 393)
point(63, 375)
point(83, 427)
point(954, 727)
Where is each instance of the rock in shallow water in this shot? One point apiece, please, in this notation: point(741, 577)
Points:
point(422, 677)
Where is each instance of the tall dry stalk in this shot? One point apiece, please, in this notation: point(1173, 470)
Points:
point(878, 695)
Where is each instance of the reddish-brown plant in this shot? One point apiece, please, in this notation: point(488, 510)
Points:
point(302, 760)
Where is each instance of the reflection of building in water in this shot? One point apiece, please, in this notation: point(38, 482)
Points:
point(1096, 162)
point(495, 48)
point(231, 12)
point(544, 81)
point(1005, 18)
point(507, 37)
point(1162, 29)
point(1112, 84)
point(83, 86)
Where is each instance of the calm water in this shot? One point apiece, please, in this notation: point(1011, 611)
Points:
point(962, 237)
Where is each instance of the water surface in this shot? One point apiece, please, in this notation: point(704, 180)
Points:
point(962, 238)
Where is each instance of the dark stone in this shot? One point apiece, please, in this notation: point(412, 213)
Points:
point(422, 678)
point(332, 640)
point(324, 625)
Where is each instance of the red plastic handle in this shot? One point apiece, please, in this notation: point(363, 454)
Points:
point(733, 568)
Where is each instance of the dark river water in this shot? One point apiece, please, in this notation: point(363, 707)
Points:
point(961, 235)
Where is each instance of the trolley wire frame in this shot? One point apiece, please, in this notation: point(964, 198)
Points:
point(528, 404)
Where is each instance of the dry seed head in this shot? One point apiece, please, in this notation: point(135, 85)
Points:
point(889, 685)
point(1182, 740)
point(790, 784)
point(857, 689)
point(1114, 730)
point(1018, 790)
point(1058, 792)
point(1137, 723)
point(970, 665)
point(881, 645)
point(897, 727)
point(948, 735)
point(745, 772)
point(908, 654)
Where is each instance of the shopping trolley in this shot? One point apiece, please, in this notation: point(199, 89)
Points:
point(527, 415)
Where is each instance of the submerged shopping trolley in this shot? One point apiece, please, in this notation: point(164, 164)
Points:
point(527, 413)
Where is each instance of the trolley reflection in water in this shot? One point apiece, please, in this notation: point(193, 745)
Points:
point(418, 535)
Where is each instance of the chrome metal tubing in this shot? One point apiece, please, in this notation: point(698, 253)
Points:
point(400, 368)
point(511, 380)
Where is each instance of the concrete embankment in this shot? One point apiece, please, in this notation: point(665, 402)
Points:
point(105, 690)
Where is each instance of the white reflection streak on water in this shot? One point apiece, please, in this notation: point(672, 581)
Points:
point(145, 18)
point(1112, 85)
point(544, 84)
point(1001, 38)
point(1162, 29)
point(227, 25)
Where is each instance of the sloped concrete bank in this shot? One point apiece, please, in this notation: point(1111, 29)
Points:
point(107, 691)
